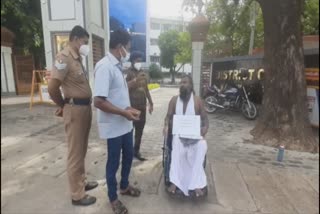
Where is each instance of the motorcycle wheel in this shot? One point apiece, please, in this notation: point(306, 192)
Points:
point(210, 108)
point(250, 113)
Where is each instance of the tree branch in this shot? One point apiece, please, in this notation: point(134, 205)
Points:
point(180, 67)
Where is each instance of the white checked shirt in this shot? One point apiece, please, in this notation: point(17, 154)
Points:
point(110, 83)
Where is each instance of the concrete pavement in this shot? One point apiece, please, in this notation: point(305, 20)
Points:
point(12, 100)
point(242, 178)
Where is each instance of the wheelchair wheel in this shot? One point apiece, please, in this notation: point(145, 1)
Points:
point(205, 162)
point(167, 159)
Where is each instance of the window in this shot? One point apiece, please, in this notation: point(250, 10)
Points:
point(155, 26)
point(176, 27)
point(65, 12)
point(166, 27)
point(154, 41)
point(59, 41)
point(155, 59)
point(97, 48)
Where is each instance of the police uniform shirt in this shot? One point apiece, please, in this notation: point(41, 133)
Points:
point(138, 97)
point(69, 70)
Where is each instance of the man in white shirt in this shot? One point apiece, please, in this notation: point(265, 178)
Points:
point(115, 116)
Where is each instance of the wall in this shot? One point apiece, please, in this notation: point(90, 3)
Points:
point(7, 76)
point(148, 30)
point(97, 24)
point(154, 50)
point(23, 70)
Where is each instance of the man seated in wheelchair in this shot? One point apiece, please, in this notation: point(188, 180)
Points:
point(187, 173)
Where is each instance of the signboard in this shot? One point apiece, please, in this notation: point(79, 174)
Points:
point(39, 79)
point(312, 77)
point(187, 125)
point(313, 106)
point(235, 74)
point(228, 68)
point(45, 94)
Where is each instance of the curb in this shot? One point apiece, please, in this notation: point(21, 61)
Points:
point(154, 90)
point(170, 86)
point(6, 101)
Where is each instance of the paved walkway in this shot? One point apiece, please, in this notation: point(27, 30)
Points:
point(12, 100)
point(242, 178)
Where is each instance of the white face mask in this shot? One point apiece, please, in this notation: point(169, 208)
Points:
point(84, 50)
point(127, 57)
point(137, 66)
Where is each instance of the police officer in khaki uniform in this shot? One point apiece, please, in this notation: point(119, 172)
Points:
point(139, 94)
point(69, 73)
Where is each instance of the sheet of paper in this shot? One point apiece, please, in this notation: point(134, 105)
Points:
point(187, 125)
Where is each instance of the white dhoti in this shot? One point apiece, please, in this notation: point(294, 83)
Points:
point(186, 170)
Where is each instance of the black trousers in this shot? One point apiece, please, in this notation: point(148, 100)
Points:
point(138, 130)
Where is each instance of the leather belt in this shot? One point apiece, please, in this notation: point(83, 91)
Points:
point(77, 101)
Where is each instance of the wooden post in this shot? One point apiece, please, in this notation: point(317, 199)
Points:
point(32, 88)
point(39, 85)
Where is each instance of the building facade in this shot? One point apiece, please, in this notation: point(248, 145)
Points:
point(155, 28)
point(7, 74)
point(60, 16)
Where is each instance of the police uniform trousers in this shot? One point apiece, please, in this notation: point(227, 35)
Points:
point(77, 121)
point(138, 129)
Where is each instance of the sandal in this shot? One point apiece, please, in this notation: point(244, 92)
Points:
point(198, 193)
point(119, 208)
point(177, 193)
point(131, 191)
point(171, 192)
point(205, 191)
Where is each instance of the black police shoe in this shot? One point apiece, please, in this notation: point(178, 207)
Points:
point(85, 201)
point(139, 157)
point(91, 185)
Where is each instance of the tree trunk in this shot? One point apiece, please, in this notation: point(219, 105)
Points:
point(284, 116)
point(173, 78)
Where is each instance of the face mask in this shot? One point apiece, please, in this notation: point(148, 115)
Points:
point(137, 66)
point(126, 58)
point(84, 50)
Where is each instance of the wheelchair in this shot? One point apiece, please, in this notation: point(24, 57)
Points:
point(166, 162)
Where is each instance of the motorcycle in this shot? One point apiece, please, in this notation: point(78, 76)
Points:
point(234, 98)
